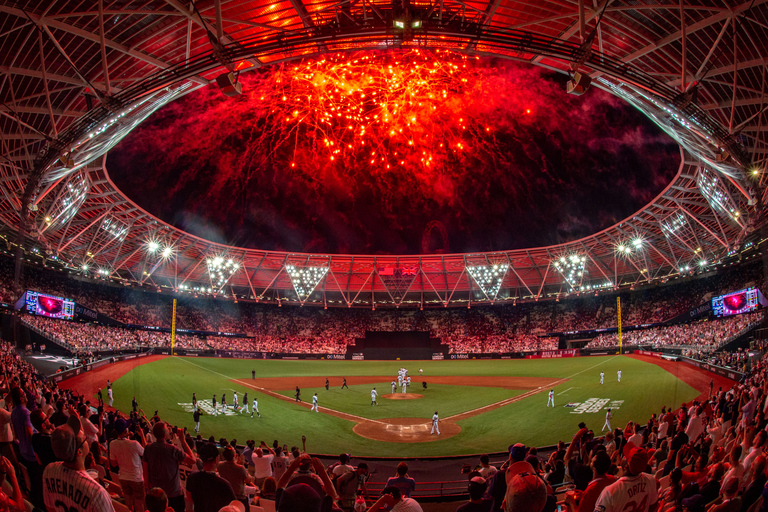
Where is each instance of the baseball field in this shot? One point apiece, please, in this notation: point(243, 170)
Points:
point(483, 405)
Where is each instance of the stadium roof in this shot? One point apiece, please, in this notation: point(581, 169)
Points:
point(78, 76)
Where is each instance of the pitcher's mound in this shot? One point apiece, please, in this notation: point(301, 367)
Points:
point(403, 396)
point(404, 430)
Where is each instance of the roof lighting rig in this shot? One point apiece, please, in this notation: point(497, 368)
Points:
point(305, 279)
point(489, 277)
point(572, 269)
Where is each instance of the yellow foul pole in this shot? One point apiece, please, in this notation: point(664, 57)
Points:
point(173, 327)
point(618, 312)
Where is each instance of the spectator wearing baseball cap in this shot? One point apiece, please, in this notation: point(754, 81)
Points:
point(209, 492)
point(126, 454)
point(525, 490)
point(66, 483)
point(478, 502)
point(498, 484)
point(637, 488)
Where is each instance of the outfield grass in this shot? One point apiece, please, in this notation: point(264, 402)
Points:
point(169, 382)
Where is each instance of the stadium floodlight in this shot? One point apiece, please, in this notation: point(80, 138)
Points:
point(716, 192)
point(489, 277)
point(305, 279)
point(220, 270)
point(152, 246)
point(70, 197)
point(571, 267)
point(167, 252)
point(116, 228)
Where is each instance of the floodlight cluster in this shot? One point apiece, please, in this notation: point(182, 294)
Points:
point(489, 277)
point(68, 201)
point(220, 270)
point(374, 110)
point(571, 268)
point(305, 279)
point(627, 248)
point(116, 228)
point(673, 223)
point(155, 247)
point(716, 193)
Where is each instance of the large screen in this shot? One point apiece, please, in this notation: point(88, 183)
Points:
point(49, 305)
point(735, 303)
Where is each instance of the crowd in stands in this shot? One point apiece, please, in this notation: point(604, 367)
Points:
point(736, 360)
point(60, 451)
point(704, 335)
point(271, 329)
point(131, 305)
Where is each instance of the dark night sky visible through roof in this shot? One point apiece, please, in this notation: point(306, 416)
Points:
point(494, 150)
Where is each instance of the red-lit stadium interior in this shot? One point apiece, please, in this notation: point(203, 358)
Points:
point(186, 176)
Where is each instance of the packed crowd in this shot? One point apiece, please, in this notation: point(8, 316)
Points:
point(736, 360)
point(706, 336)
point(136, 306)
point(705, 456)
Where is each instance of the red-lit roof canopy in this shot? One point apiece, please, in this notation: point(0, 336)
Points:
point(77, 77)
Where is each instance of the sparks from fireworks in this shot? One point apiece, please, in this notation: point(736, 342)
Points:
point(375, 111)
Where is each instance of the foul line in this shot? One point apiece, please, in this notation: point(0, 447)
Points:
point(525, 395)
point(342, 415)
point(455, 417)
point(560, 393)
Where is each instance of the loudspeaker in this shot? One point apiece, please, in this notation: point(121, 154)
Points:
point(579, 84)
point(228, 84)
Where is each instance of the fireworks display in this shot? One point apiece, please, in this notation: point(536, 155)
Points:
point(375, 112)
point(358, 152)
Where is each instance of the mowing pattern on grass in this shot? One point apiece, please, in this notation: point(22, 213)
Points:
point(512, 415)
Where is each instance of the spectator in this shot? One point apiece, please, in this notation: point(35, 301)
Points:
point(486, 470)
point(402, 481)
point(478, 502)
point(349, 484)
point(209, 492)
point(74, 489)
point(126, 454)
point(394, 501)
point(162, 459)
point(235, 474)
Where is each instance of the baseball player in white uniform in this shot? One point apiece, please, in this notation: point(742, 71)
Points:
point(619, 375)
point(408, 382)
point(405, 386)
point(374, 394)
point(435, 420)
point(551, 399)
point(607, 425)
point(602, 377)
point(314, 403)
point(255, 408)
point(234, 401)
point(109, 394)
point(394, 387)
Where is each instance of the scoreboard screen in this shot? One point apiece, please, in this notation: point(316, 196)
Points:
point(50, 306)
point(735, 303)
